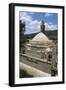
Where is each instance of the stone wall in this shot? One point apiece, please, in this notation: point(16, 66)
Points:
point(36, 63)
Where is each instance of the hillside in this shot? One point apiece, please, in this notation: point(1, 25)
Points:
point(50, 34)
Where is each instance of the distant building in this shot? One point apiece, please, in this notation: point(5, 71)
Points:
point(42, 51)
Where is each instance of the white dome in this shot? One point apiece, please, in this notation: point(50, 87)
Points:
point(40, 37)
point(48, 49)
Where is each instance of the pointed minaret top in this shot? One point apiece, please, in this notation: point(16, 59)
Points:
point(42, 26)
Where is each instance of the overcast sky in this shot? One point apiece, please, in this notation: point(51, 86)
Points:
point(33, 20)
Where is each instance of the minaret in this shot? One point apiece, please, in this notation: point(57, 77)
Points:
point(42, 26)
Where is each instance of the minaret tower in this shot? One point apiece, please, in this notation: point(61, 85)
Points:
point(42, 26)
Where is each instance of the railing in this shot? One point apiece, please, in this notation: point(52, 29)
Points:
point(37, 59)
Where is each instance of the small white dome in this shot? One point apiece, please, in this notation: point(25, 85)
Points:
point(48, 49)
point(40, 37)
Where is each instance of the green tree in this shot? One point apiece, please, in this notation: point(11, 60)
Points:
point(22, 30)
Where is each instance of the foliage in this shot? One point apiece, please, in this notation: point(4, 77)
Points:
point(24, 74)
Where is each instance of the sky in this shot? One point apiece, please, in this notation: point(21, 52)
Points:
point(33, 20)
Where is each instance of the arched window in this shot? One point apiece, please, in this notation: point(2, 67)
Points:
point(49, 57)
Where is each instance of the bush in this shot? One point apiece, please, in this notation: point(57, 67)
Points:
point(24, 74)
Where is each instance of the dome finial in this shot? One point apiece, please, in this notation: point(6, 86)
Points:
point(42, 26)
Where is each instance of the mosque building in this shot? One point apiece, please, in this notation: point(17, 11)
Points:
point(41, 51)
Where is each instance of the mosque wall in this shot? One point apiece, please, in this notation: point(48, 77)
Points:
point(38, 64)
